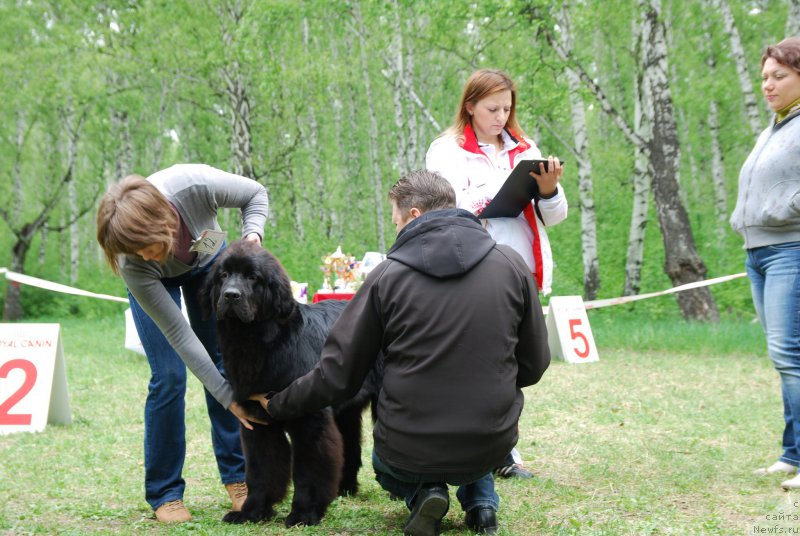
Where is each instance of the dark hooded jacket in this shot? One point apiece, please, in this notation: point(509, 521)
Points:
point(461, 328)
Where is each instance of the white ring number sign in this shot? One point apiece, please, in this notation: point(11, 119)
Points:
point(33, 380)
point(568, 332)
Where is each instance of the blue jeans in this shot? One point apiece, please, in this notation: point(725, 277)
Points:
point(473, 489)
point(164, 409)
point(774, 273)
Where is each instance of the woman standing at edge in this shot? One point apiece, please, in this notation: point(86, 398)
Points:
point(147, 229)
point(767, 215)
point(476, 154)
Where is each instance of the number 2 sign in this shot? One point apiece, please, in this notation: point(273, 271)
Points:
point(33, 381)
point(568, 332)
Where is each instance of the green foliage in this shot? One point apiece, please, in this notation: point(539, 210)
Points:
point(151, 79)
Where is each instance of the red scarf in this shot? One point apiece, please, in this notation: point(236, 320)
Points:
point(471, 145)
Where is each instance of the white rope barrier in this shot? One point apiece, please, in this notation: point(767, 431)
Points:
point(56, 287)
point(594, 304)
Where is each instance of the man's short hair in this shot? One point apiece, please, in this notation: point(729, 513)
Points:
point(423, 189)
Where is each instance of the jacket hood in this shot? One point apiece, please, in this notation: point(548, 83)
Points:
point(442, 243)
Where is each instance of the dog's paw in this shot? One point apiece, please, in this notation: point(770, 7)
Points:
point(295, 519)
point(248, 516)
point(234, 517)
point(348, 489)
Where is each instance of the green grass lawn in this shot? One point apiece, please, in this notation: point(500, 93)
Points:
point(658, 437)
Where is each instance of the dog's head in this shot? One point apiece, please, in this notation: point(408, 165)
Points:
point(247, 283)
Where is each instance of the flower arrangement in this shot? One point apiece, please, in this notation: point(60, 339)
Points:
point(341, 269)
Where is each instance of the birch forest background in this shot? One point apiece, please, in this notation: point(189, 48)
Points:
point(654, 104)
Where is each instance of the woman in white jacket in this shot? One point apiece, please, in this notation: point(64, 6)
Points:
point(476, 155)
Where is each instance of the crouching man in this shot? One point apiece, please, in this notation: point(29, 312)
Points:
point(461, 327)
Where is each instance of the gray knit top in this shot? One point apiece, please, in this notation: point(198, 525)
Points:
point(197, 191)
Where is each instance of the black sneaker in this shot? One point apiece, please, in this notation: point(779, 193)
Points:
point(512, 471)
point(482, 520)
point(430, 506)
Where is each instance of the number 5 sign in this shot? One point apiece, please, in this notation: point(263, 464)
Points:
point(568, 332)
point(33, 380)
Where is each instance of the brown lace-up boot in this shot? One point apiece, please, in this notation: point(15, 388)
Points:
point(173, 512)
point(238, 493)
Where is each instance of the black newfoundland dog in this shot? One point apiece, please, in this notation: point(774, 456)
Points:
point(267, 340)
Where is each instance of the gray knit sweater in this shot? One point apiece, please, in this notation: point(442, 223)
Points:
point(197, 191)
point(768, 205)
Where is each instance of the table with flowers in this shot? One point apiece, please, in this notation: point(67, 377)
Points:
point(343, 274)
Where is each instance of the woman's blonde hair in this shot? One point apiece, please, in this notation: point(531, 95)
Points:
point(480, 84)
point(134, 215)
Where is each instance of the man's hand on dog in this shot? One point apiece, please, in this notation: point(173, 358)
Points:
point(246, 417)
point(263, 399)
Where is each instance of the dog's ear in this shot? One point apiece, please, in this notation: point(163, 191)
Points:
point(208, 294)
point(280, 292)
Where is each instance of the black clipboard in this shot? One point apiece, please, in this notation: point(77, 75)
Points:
point(517, 191)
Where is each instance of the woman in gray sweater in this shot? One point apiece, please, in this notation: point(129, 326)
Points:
point(767, 215)
point(161, 235)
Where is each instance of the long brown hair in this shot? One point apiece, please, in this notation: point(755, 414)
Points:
point(480, 84)
point(133, 215)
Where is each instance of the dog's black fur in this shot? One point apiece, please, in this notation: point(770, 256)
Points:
point(268, 340)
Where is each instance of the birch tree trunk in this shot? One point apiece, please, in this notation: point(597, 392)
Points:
point(374, 147)
point(415, 158)
point(72, 197)
point(616, 71)
point(239, 102)
point(345, 129)
point(123, 163)
point(717, 164)
point(401, 134)
point(399, 73)
point(63, 246)
point(23, 233)
point(52, 155)
point(17, 191)
point(605, 103)
point(742, 62)
point(12, 307)
point(642, 178)
point(692, 191)
point(688, 190)
point(235, 89)
point(23, 238)
point(311, 136)
point(718, 172)
point(297, 205)
point(683, 264)
point(159, 138)
point(591, 262)
point(793, 18)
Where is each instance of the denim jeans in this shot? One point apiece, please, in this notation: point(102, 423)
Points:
point(774, 273)
point(473, 489)
point(164, 409)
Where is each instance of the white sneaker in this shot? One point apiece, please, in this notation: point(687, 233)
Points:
point(776, 468)
point(792, 483)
